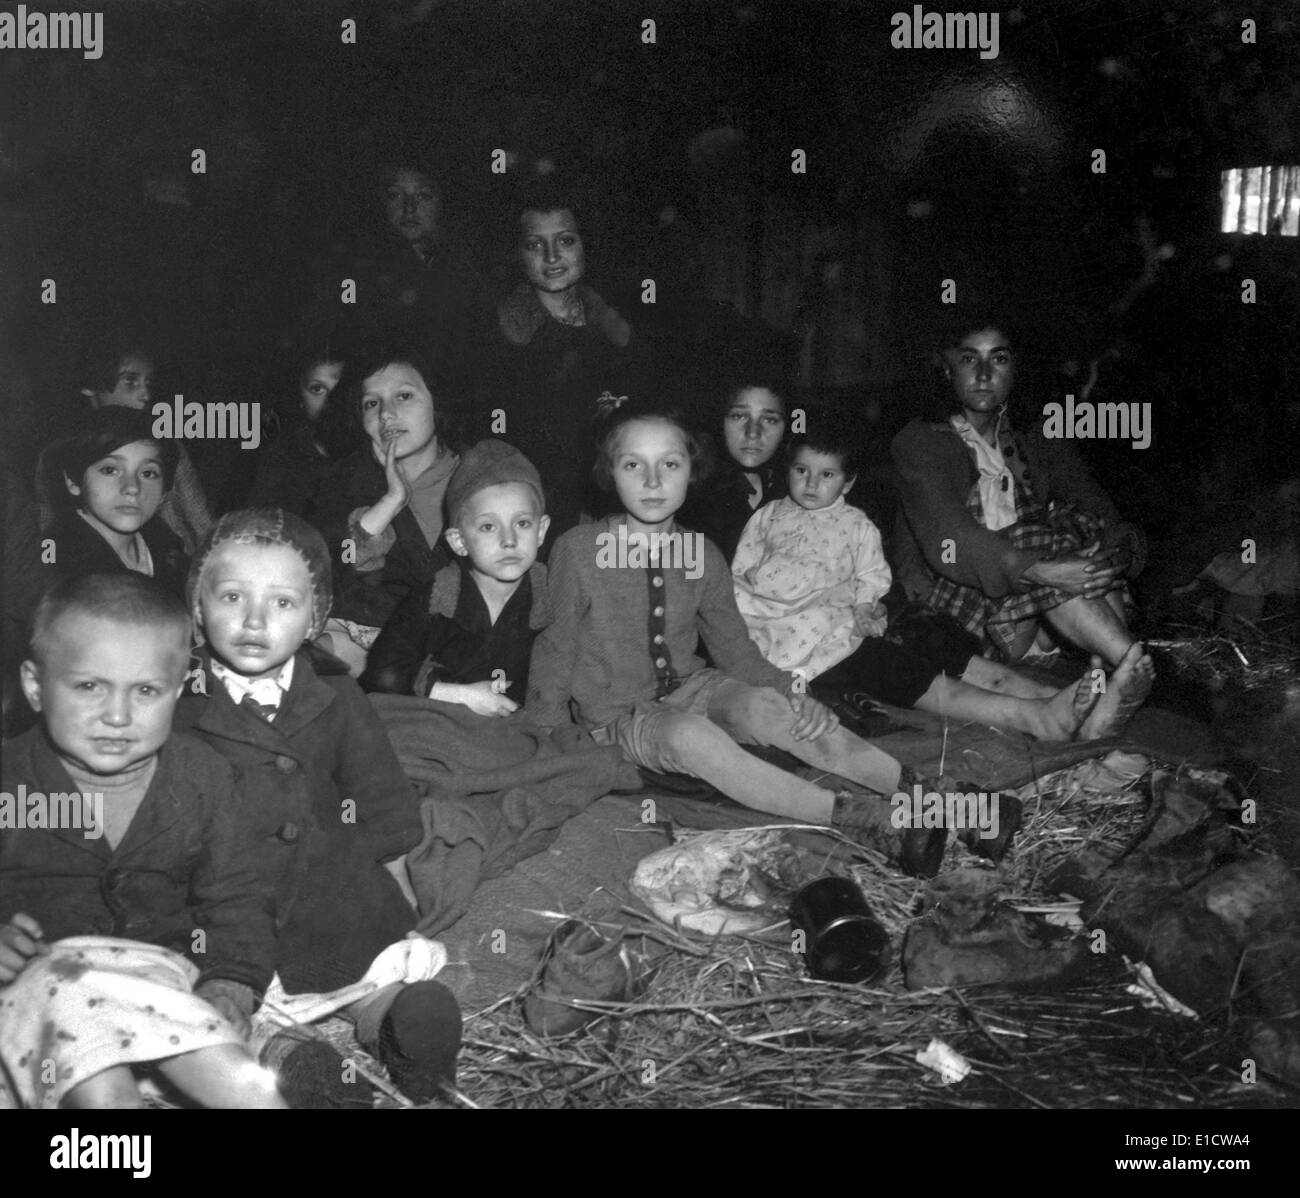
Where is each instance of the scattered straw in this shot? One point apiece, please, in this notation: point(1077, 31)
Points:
point(736, 1023)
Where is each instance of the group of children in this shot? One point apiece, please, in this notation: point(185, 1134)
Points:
point(255, 817)
point(254, 823)
point(204, 680)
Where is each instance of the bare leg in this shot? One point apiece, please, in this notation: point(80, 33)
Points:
point(764, 717)
point(112, 1090)
point(225, 1077)
point(1057, 718)
point(693, 744)
point(993, 676)
point(1092, 624)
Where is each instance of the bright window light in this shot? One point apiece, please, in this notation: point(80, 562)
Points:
point(1261, 199)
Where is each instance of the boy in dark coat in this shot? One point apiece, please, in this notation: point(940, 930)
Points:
point(467, 637)
point(330, 812)
point(106, 483)
point(127, 842)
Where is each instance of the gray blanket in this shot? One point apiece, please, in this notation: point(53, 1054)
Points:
point(493, 791)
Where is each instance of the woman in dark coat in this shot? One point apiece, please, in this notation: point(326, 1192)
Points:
point(415, 280)
point(558, 348)
point(1005, 529)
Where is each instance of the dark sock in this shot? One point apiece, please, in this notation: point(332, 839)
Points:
point(419, 1040)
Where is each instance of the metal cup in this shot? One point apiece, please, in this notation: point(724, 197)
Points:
point(843, 942)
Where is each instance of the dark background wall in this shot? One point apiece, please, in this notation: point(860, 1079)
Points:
point(922, 165)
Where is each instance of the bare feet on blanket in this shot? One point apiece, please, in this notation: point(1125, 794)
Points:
point(1063, 715)
point(1126, 691)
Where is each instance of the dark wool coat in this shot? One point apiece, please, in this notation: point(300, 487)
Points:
point(358, 481)
point(325, 804)
point(720, 508)
point(290, 470)
point(444, 634)
point(79, 549)
point(182, 865)
point(546, 378)
point(935, 474)
point(439, 305)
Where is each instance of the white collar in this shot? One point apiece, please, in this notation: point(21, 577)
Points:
point(268, 691)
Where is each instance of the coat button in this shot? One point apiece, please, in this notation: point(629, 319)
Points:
point(289, 833)
point(661, 662)
point(658, 639)
point(656, 581)
point(286, 765)
point(659, 611)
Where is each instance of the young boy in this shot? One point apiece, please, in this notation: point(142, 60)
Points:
point(330, 814)
point(129, 843)
point(112, 477)
point(467, 638)
point(117, 374)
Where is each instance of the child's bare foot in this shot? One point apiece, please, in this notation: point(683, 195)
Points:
point(1061, 716)
point(1126, 691)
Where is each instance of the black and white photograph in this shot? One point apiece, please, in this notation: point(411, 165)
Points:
point(588, 554)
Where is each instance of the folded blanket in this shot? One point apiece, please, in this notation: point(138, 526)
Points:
point(493, 792)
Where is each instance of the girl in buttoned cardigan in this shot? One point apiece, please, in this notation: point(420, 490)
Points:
point(630, 598)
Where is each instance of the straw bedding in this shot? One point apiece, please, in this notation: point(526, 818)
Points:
point(736, 1022)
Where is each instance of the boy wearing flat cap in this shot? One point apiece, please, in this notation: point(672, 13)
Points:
point(467, 638)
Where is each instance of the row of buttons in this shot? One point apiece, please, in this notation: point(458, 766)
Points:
point(656, 631)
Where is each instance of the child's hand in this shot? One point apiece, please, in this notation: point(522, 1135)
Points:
point(812, 719)
point(479, 697)
point(870, 619)
point(233, 1000)
point(399, 487)
point(21, 939)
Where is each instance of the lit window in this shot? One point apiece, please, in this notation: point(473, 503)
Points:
point(1261, 199)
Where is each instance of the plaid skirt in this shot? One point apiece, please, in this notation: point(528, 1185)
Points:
point(1052, 531)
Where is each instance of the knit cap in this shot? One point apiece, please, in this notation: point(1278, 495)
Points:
point(488, 464)
point(269, 526)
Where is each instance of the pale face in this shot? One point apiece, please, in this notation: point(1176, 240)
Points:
point(316, 386)
point(651, 466)
point(411, 205)
point(753, 427)
point(550, 250)
point(982, 369)
point(500, 529)
point(255, 606)
point(131, 387)
point(816, 480)
point(397, 406)
point(121, 492)
point(108, 689)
